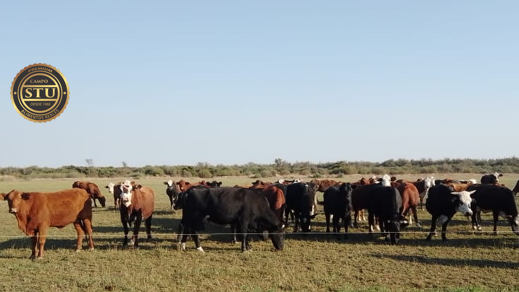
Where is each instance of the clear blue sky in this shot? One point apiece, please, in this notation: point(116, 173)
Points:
point(231, 82)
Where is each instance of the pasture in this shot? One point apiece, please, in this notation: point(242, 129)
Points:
point(469, 261)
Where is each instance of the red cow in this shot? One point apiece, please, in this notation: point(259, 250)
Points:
point(36, 212)
point(92, 189)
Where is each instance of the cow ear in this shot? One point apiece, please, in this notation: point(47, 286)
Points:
point(26, 196)
point(2, 196)
point(219, 183)
point(165, 182)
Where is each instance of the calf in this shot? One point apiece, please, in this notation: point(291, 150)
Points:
point(337, 204)
point(36, 212)
point(137, 204)
point(172, 191)
point(442, 204)
point(410, 198)
point(499, 200)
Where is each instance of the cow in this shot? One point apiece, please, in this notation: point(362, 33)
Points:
point(214, 184)
point(423, 186)
point(410, 197)
point(137, 204)
point(172, 191)
point(115, 190)
point(442, 204)
point(248, 208)
point(491, 178)
point(259, 183)
point(301, 201)
point(36, 212)
point(324, 184)
point(337, 205)
point(385, 203)
point(93, 190)
point(516, 188)
point(185, 185)
point(499, 200)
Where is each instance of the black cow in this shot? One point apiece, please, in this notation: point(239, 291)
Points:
point(248, 208)
point(499, 200)
point(337, 204)
point(491, 178)
point(172, 191)
point(442, 204)
point(386, 204)
point(301, 202)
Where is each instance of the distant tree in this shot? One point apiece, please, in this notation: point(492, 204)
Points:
point(90, 162)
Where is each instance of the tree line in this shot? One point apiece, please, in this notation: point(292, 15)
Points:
point(279, 167)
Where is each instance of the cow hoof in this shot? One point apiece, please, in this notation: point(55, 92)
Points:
point(200, 249)
point(78, 250)
point(429, 238)
point(418, 226)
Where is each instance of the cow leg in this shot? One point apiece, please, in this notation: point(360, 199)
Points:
point(34, 245)
point(196, 239)
point(147, 224)
point(415, 215)
point(371, 221)
point(296, 223)
point(242, 232)
point(327, 217)
point(496, 217)
point(355, 217)
point(233, 231)
point(335, 224)
point(444, 229)
point(433, 227)
point(136, 227)
point(87, 227)
point(476, 220)
point(347, 222)
point(42, 237)
point(80, 234)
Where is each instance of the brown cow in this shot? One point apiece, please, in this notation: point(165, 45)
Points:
point(137, 204)
point(185, 185)
point(93, 190)
point(410, 198)
point(36, 212)
point(324, 184)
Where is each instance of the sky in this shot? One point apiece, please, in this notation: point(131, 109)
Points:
point(232, 82)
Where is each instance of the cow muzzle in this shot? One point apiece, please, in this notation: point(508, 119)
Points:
point(13, 210)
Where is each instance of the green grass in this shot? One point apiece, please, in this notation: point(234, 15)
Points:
point(317, 262)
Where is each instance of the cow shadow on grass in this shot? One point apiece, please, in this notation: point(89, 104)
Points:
point(431, 260)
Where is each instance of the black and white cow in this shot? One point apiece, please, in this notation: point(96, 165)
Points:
point(301, 202)
point(499, 200)
point(442, 204)
point(491, 178)
point(172, 191)
point(337, 206)
point(248, 208)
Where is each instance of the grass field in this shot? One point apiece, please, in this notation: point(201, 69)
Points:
point(316, 262)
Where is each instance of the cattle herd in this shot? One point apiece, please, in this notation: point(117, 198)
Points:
point(268, 208)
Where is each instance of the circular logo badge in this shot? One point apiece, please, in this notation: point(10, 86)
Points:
point(40, 93)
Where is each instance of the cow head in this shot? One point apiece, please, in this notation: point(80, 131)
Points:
point(110, 187)
point(178, 203)
point(126, 193)
point(386, 181)
point(14, 198)
point(278, 237)
point(464, 201)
